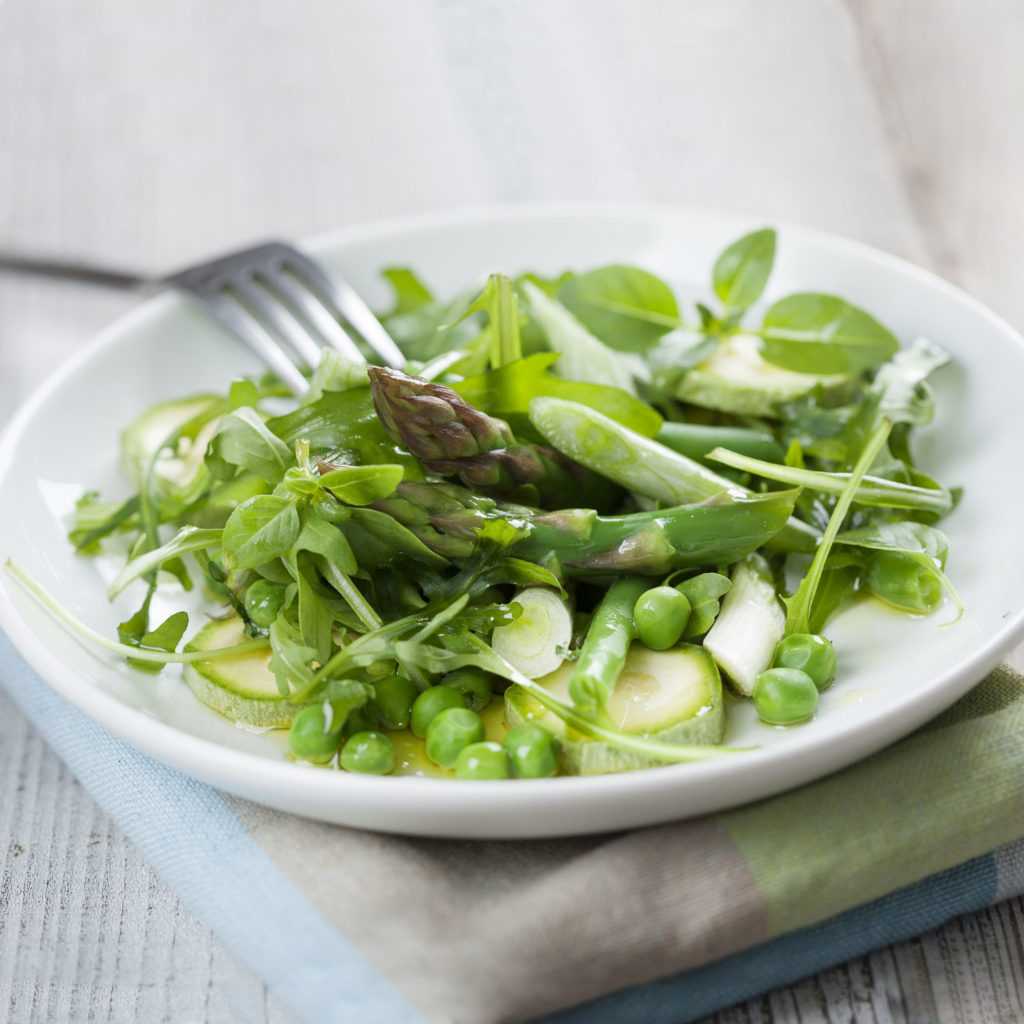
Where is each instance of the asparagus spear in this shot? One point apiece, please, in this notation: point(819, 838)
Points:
point(715, 532)
point(451, 437)
point(644, 466)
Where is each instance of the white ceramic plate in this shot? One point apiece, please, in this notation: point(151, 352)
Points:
point(895, 671)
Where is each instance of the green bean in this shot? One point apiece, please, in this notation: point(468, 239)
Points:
point(695, 440)
point(604, 650)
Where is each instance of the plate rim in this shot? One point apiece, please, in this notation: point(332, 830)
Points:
point(212, 762)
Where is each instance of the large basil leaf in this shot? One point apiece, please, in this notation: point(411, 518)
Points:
point(627, 308)
point(823, 334)
point(507, 391)
point(743, 269)
point(259, 530)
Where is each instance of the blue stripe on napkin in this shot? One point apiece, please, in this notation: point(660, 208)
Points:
point(204, 853)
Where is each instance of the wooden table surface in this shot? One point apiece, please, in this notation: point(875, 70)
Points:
point(150, 135)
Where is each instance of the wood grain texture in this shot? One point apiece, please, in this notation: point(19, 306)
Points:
point(151, 135)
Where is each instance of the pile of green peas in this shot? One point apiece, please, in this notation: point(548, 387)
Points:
point(446, 716)
point(804, 664)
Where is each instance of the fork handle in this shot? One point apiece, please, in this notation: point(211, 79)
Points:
point(86, 273)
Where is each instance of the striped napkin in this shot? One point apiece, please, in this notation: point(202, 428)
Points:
point(661, 925)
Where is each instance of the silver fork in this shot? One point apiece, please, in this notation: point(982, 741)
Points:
point(272, 297)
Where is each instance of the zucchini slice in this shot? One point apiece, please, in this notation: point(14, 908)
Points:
point(734, 378)
point(673, 696)
point(147, 432)
point(241, 686)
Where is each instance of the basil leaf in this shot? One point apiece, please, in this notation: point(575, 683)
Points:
point(627, 308)
point(259, 530)
point(243, 441)
point(506, 392)
point(359, 485)
point(823, 334)
point(743, 269)
point(907, 538)
point(379, 540)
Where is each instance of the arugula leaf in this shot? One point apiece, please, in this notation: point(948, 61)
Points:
point(501, 304)
point(742, 270)
point(584, 357)
point(506, 392)
point(321, 538)
point(335, 372)
point(814, 333)
point(189, 538)
point(165, 637)
point(625, 307)
point(290, 657)
point(243, 441)
point(411, 293)
point(903, 394)
point(259, 530)
point(345, 426)
point(316, 620)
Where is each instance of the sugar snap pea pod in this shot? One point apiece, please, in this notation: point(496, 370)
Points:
point(641, 464)
point(696, 440)
point(715, 532)
point(606, 645)
point(451, 437)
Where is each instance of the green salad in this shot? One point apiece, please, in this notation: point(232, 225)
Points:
point(565, 538)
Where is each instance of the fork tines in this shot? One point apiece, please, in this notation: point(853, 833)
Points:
point(283, 305)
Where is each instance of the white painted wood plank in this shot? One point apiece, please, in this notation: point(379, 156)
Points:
point(181, 142)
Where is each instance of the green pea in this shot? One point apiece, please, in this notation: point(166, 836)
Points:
point(784, 696)
point(368, 752)
point(482, 761)
point(311, 736)
point(263, 601)
point(660, 616)
point(393, 698)
point(450, 731)
point(531, 750)
point(476, 685)
point(809, 652)
point(359, 720)
point(429, 703)
point(900, 581)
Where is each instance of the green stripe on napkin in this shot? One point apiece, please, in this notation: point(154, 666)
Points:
point(949, 792)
